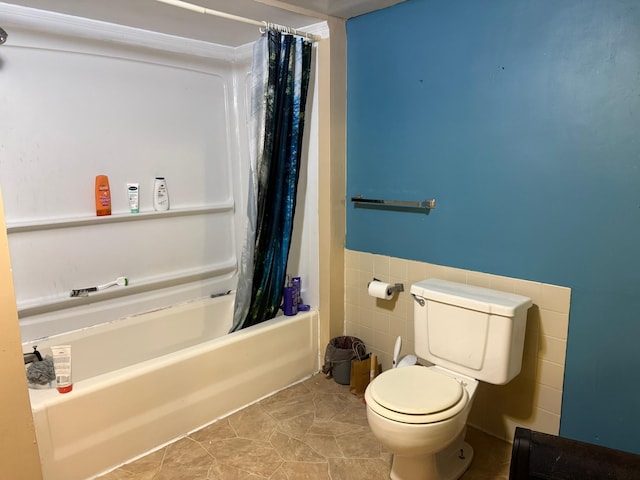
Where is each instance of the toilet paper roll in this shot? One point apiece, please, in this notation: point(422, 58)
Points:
point(380, 290)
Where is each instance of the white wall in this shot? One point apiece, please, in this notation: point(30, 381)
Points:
point(81, 98)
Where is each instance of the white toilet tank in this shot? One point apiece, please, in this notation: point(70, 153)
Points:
point(471, 330)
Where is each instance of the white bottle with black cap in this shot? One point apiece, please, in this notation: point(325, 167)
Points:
point(160, 194)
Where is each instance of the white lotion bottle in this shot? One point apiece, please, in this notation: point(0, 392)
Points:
point(160, 194)
point(133, 189)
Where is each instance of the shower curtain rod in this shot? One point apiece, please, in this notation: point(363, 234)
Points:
point(217, 13)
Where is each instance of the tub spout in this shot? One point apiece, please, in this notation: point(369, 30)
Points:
point(32, 357)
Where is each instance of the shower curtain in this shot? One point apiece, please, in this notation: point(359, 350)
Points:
point(280, 81)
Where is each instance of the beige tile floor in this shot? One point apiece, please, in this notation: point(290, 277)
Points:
point(314, 430)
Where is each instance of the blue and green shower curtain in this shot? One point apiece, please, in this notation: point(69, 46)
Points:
point(280, 82)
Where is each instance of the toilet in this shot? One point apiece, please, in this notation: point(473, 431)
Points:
point(467, 334)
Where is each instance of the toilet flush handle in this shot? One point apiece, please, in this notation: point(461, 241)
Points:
point(418, 299)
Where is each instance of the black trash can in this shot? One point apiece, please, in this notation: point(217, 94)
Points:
point(540, 456)
point(338, 355)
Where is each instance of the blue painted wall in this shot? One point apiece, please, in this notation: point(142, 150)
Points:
point(522, 118)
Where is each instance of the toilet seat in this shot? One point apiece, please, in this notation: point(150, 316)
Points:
point(416, 394)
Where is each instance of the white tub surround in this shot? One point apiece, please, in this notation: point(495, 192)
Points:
point(85, 97)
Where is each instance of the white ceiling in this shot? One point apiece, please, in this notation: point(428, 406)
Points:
point(155, 16)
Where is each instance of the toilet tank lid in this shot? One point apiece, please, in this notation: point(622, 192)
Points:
point(486, 300)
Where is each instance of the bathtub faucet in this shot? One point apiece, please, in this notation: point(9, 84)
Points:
point(32, 357)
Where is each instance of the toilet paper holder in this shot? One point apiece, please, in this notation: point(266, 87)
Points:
point(398, 287)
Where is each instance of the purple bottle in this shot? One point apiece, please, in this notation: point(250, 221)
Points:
point(297, 284)
point(290, 302)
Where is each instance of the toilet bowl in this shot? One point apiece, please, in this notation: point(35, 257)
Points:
point(424, 432)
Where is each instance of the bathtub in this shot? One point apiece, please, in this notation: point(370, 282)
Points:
point(143, 381)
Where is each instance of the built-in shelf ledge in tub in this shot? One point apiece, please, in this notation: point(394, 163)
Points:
point(36, 225)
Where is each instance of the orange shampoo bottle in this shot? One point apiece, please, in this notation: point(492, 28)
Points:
point(103, 196)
